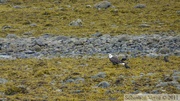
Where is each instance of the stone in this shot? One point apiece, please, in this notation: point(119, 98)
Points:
point(97, 34)
point(99, 75)
point(70, 81)
point(29, 52)
point(11, 36)
point(79, 80)
point(17, 6)
point(178, 12)
point(155, 92)
point(164, 50)
point(102, 5)
point(77, 22)
point(177, 52)
point(61, 38)
point(173, 83)
point(27, 33)
point(3, 1)
point(140, 6)
point(36, 48)
point(162, 84)
point(33, 25)
point(6, 27)
point(176, 73)
point(3, 81)
point(104, 84)
point(176, 78)
point(5, 56)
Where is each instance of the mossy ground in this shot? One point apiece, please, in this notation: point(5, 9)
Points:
point(53, 17)
point(41, 78)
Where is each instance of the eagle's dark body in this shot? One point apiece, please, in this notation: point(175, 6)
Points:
point(116, 61)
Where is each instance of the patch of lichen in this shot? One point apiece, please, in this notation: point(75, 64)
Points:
point(39, 79)
point(54, 17)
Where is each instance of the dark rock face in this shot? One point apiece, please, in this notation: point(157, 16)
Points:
point(53, 46)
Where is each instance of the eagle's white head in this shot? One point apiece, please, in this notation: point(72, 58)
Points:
point(110, 55)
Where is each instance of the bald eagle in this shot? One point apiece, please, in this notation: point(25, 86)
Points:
point(116, 61)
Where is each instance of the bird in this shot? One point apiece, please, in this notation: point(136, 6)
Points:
point(116, 61)
point(166, 59)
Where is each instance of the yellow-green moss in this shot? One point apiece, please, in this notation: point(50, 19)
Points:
point(54, 17)
point(42, 77)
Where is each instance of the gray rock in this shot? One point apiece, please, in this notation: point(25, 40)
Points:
point(33, 25)
point(164, 50)
point(173, 83)
point(97, 34)
point(62, 38)
point(177, 52)
point(77, 22)
point(29, 52)
point(40, 42)
point(6, 27)
point(27, 33)
point(140, 6)
point(3, 1)
point(17, 6)
point(11, 36)
point(102, 4)
point(176, 78)
point(3, 81)
point(99, 75)
point(70, 81)
point(36, 48)
point(155, 92)
point(79, 80)
point(135, 92)
point(81, 41)
point(122, 38)
point(5, 56)
point(178, 87)
point(176, 73)
point(162, 84)
point(178, 12)
point(103, 84)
